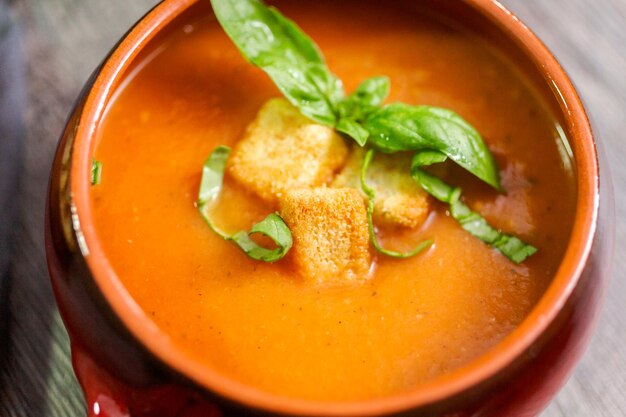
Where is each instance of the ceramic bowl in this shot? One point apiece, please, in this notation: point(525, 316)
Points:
point(125, 369)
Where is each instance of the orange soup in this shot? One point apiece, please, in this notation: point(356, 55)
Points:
point(260, 323)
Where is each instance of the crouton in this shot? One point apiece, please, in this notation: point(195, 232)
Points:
point(330, 233)
point(284, 150)
point(400, 201)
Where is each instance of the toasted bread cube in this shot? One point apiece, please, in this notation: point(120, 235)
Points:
point(400, 201)
point(330, 233)
point(284, 150)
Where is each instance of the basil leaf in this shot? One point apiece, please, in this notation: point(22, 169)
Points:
point(371, 92)
point(371, 194)
point(353, 129)
point(400, 127)
point(273, 226)
point(293, 61)
point(355, 108)
point(281, 49)
point(96, 172)
point(510, 246)
point(366, 99)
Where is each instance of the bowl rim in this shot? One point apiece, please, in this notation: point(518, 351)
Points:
point(482, 369)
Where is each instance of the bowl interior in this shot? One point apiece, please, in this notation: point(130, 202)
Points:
point(486, 20)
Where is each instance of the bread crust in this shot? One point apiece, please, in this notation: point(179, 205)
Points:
point(284, 150)
point(330, 232)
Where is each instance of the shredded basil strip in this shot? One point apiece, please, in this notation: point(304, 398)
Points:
point(371, 196)
point(510, 246)
point(96, 172)
point(273, 226)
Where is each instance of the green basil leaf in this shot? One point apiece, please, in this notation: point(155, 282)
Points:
point(273, 226)
point(213, 176)
point(371, 92)
point(355, 108)
point(510, 246)
point(425, 158)
point(96, 172)
point(371, 195)
point(295, 64)
point(400, 127)
point(353, 129)
point(366, 99)
point(280, 48)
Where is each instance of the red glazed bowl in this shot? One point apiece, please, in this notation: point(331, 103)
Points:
point(127, 368)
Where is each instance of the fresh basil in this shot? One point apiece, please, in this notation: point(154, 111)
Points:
point(353, 129)
point(294, 62)
point(355, 108)
point(371, 196)
point(510, 246)
point(273, 226)
point(281, 49)
point(366, 99)
point(401, 127)
point(96, 172)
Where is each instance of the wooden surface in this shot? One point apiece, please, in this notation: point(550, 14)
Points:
point(65, 39)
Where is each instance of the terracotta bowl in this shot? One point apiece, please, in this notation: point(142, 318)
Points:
point(126, 368)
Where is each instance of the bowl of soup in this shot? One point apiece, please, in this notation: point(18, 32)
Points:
point(168, 318)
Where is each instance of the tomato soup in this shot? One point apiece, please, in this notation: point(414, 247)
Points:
point(259, 323)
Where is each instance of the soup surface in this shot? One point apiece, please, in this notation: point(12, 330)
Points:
point(259, 323)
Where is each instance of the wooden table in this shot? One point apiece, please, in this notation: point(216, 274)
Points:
point(65, 39)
